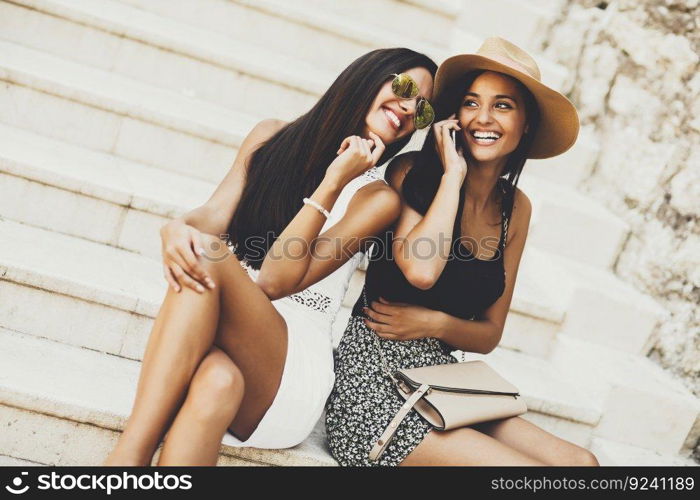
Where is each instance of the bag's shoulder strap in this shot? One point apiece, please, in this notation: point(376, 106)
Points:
point(390, 430)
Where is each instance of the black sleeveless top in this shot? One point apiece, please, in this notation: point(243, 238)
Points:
point(467, 285)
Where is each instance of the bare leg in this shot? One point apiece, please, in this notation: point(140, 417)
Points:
point(528, 438)
point(184, 331)
point(212, 401)
point(465, 446)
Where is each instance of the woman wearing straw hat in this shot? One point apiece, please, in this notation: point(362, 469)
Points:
point(442, 278)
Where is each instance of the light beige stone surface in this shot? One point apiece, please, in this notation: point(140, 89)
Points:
point(121, 203)
point(636, 67)
point(123, 104)
point(6, 461)
point(640, 403)
point(612, 453)
point(169, 54)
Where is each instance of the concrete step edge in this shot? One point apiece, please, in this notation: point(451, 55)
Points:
point(126, 21)
point(120, 95)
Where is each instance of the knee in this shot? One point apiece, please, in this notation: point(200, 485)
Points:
point(580, 457)
point(587, 458)
point(216, 390)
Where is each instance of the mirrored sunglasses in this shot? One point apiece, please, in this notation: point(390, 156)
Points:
point(405, 87)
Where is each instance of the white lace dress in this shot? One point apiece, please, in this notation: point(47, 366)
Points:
point(308, 376)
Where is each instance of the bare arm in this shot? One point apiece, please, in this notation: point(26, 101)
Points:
point(400, 321)
point(181, 237)
point(417, 236)
point(372, 209)
point(215, 215)
point(300, 256)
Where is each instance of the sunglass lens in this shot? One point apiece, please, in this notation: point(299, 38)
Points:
point(424, 114)
point(404, 87)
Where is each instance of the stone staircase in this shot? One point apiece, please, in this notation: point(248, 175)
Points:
point(116, 116)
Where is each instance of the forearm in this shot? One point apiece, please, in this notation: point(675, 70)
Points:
point(289, 257)
point(480, 336)
point(425, 249)
point(205, 219)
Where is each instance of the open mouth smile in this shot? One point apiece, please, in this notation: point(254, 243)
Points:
point(484, 138)
point(394, 120)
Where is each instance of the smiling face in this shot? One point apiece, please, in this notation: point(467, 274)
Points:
point(391, 118)
point(492, 117)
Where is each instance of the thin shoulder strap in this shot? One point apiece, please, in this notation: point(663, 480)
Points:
point(506, 209)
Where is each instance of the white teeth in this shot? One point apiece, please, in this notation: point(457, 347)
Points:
point(392, 116)
point(492, 136)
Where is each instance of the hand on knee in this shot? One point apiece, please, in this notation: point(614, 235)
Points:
point(215, 251)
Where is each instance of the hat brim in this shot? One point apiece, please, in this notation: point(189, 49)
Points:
point(559, 122)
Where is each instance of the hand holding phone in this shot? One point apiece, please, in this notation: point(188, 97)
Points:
point(460, 154)
point(451, 155)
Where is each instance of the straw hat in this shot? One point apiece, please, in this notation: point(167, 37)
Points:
point(559, 122)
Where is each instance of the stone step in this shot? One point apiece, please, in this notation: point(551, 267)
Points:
point(88, 294)
point(60, 390)
point(329, 35)
point(525, 25)
point(603, 309)
point(417, 22)
point(641, 404)
point(115, 37)
point(612, 453)
point(161, 127)
point(598, 306)
point(69, 189)
point(94, 195)
point(6, 461)
point(570, 168)
point(298, 27)
point(62, 405)
point(564, 222)
point(111, 113)
point(200, 63)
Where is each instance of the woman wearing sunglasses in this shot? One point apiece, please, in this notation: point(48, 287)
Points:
point(443, 277)
point(242, 342)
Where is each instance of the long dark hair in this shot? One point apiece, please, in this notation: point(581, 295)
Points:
point(292, 163)
point(422, 181)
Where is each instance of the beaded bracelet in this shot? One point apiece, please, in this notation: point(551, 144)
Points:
point(317, 206)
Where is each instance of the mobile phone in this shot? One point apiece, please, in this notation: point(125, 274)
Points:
point(453, 134)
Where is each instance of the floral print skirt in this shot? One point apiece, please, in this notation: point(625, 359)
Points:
point(364, 399)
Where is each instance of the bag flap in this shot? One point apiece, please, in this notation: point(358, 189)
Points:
point(472, 375)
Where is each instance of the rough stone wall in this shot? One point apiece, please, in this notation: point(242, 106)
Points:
point(636, 81)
